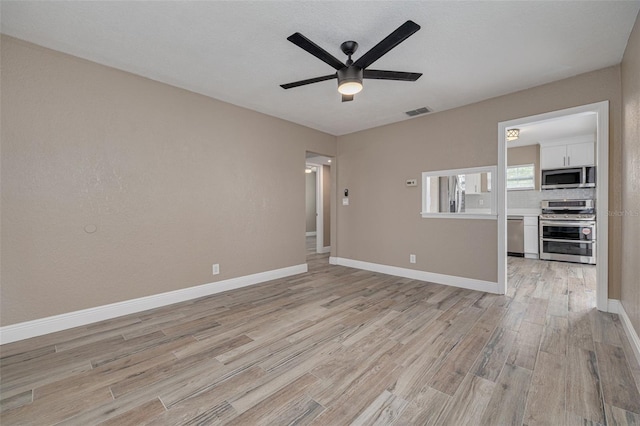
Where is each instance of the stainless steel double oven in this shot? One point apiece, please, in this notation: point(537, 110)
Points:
point(568, 231)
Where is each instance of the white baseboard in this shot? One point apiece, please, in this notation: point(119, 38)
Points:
point(615, 307)
point(451, 280)
point(326, 249)
point(311, 234)
point(25, 330)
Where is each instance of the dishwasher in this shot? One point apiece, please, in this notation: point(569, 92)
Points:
point(515, 236)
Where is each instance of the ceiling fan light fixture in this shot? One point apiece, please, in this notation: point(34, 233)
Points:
point(350, 80)
point(350, 87)
point(513, 134)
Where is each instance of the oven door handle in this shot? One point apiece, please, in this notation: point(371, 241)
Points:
point(555, 240)
point(561, 223)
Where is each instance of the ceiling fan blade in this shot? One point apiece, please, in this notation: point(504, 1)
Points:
point(317, 51)
point(392, 40)
point(308, 81)
point(392, 75)
point(347, 98)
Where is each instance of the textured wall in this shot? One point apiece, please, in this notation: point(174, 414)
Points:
point(382, 224)
point(630, 212)
point(116, 187)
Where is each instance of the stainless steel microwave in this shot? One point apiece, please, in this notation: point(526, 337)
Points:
point(573, 177)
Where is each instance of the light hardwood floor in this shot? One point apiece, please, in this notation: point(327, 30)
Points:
point(340, 346)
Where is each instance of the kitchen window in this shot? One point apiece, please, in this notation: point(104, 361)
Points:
point(521, 177)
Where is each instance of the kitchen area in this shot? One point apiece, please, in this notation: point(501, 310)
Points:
point(551, 190)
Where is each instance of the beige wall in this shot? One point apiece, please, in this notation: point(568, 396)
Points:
point(631, 184)
point(529, 154)
point(173, 182)
point(382, 224)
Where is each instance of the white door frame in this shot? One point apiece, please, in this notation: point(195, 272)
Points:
point(319, 209)
point(601, 109)
point(320, 248)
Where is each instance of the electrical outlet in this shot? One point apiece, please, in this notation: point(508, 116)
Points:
point(216, 268)
point(412, 258)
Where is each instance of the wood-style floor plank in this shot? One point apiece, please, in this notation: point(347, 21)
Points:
point(619, 417)
point(583, 385)
point(383, 411)
point(618, 387)
point(468, 404)
point(508, 401)
point(546, 400)
point(143, 414)
point(339, 346)
point(425, 408)
point(493, 357)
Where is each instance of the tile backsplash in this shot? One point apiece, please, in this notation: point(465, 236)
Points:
point(531, 199)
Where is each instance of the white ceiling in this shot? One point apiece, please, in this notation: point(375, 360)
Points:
point(237, 51)
point(559, 128)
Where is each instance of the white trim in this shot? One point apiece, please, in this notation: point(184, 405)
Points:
point(613, 306)
point(326, 249)
point(616, 307)
point(320, 208)
point(450, 280)
point(602, 204)
point(461, 215)
point(311, 234)
point(501, 201)
point(38, 327)
point(601, 109)
point(425, 213)
point(468, 170)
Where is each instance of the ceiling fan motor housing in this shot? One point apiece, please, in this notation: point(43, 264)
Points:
point(350, 74)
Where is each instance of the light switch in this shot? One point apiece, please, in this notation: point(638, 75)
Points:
point(412, 182)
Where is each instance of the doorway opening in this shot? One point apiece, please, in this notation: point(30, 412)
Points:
point(544, 134)
point(318, 203)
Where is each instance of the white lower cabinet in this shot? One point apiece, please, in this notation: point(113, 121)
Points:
point(531, 237)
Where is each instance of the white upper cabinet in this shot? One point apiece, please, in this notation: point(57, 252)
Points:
point(553, 157)
point(581, 154)
point(472, 184)
point(559, 155)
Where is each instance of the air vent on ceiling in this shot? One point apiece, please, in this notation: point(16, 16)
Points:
point(418, 111)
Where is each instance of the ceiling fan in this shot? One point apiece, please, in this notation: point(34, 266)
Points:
point(350, 74)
